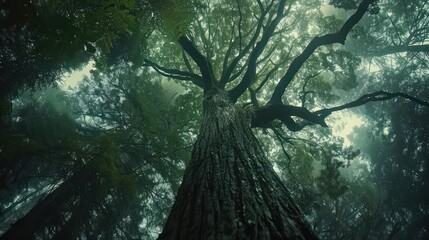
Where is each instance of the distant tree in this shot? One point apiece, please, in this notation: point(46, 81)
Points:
point(99, 163)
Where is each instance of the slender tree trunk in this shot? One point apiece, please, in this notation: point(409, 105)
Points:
point(230, 190)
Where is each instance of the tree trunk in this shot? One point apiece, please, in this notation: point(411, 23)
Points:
point(230, 190)
point(36, 218)
point(45, 210)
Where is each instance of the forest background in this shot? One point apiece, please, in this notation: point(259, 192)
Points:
point(104, 158)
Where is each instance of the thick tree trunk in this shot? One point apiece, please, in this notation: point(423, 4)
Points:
point(230, 190)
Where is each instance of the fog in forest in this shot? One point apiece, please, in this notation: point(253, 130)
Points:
point(214, 119)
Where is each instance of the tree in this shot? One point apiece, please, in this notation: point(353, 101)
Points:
point(229, 189)
point(259, 68)
point(94, 166)
point(41, 40)
point(384, 185)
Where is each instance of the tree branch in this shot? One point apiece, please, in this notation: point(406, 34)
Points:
point(226, 57)
point(271, 111)
point(338, 37)
point(227, 72)
point(263, 116)
point(304, 92)
point(250, 74)
point(398, 49)
point(185, 59)
point(201, 61)
point(372, 97)
point(175, 74)
point(239, 24)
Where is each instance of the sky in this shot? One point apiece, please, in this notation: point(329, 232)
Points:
point(344, 123)
point(72, 79)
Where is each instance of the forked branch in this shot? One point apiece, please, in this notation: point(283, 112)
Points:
point(372, 97)
point(201, 61)
point(227, 71)
point(338, 37)
point(250, 74)
point(175, 74)
point(265, 115)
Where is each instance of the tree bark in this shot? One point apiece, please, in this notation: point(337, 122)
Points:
point(36, 218)
point(230, 190)
point(45, 210)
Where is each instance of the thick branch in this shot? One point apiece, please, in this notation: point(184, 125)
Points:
point(338, 37)
point(265, 115)
point(227, 71)
point(226, 59)
point(372, 97)
point(185, 59)
point(239, 24)
point(250, 74)
point(175, 74)
point(201, 61)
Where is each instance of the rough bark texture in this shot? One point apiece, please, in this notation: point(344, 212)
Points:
point(230, 190)
point(45, 210)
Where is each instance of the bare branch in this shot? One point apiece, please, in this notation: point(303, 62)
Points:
point(250, 74)
point(268, 52)
point(185, 59)
point(372, 97)
point(227, 55)
point(226, 73)
point(263, 116)
point(268, 75)
point(261, 6)
point(338, 37)
point(232, 44)
point(419, 17)
point(175, 74)
point(239, 23)
point(398, 49)
point(207, 43)
point(253, 98)
point(396, 30)
point(304, 92)
point(238, 73)
point(275, 68)
point(201, 61)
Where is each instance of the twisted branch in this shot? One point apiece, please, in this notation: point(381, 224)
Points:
point(175, 74)
point(338, 37)
point(265, 115)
